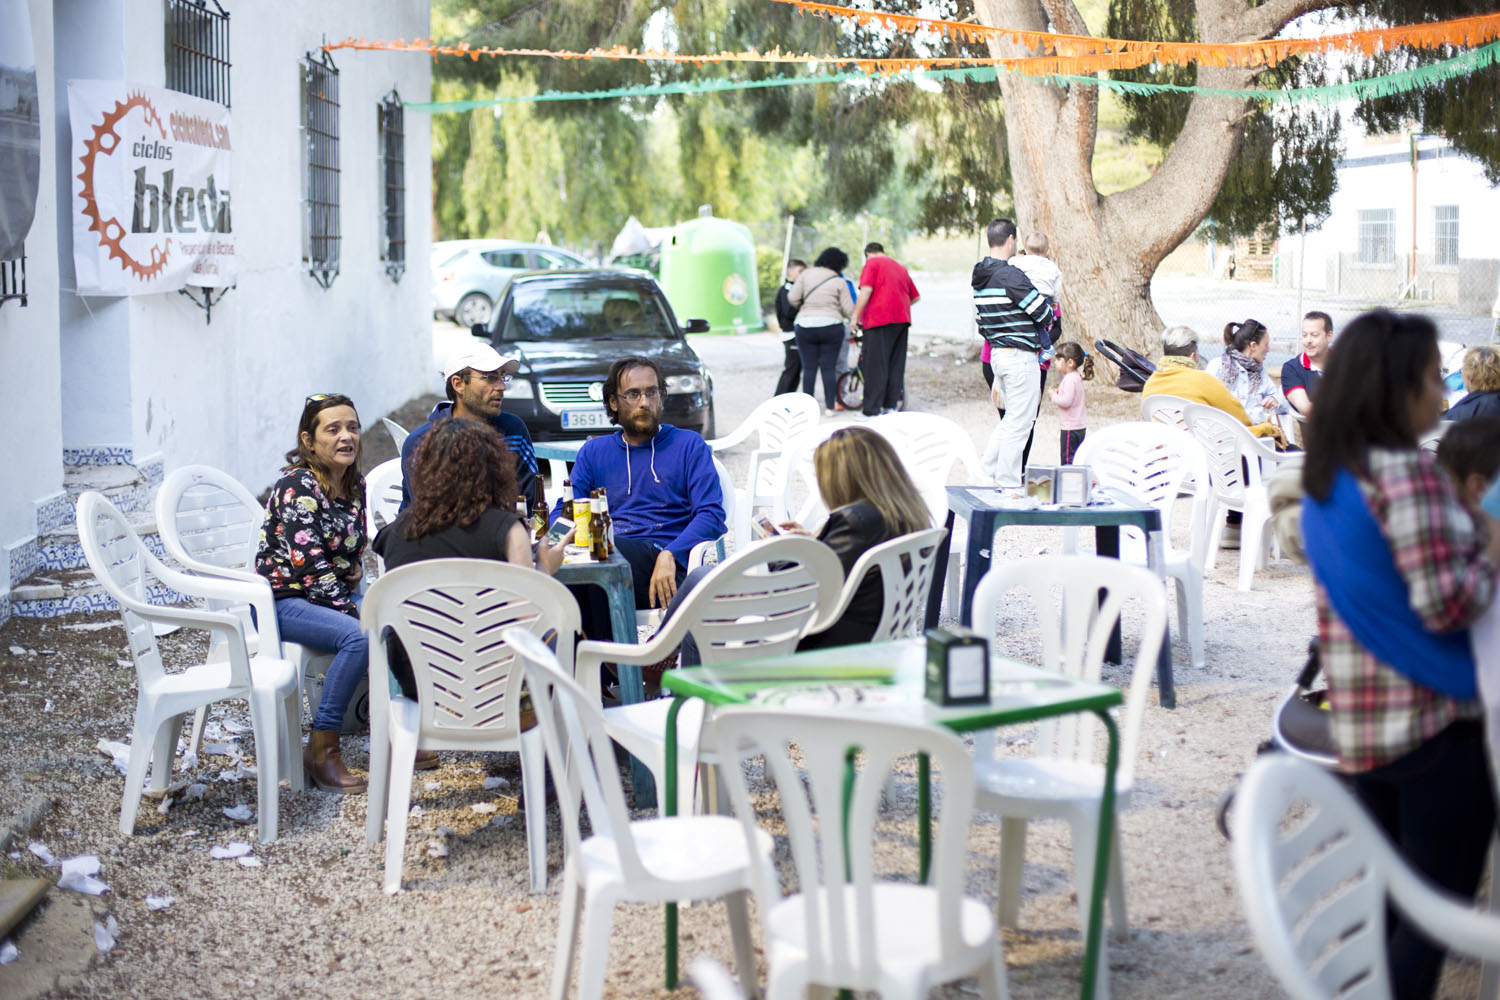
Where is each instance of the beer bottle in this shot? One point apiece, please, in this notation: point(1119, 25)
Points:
point(608, 523)
point(539, 518)
point(567, 499)
point(596, 523)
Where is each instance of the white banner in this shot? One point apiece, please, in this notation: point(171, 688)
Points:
point(151, 188)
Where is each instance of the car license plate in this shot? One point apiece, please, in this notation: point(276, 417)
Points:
point(584, 419)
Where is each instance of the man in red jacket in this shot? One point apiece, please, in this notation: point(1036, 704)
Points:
point(886, 294)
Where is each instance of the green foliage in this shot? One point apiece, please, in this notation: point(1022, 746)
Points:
point(767, 274)
point(1464, 111)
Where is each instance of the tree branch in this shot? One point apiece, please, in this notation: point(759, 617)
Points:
point(1273, 15)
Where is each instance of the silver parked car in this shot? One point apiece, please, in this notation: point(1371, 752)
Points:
point(469, 275)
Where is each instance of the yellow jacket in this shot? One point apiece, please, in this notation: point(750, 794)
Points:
point(1179, 377)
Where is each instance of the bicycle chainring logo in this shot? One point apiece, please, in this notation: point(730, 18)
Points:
point(134, 113)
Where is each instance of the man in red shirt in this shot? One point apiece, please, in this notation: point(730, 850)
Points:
point(886, 294)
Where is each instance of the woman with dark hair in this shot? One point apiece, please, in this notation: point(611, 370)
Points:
point(463, 503)
point(1402, 569)
point(1242, 369)
point(463, 507)
point(823, 303)
point(310, 548)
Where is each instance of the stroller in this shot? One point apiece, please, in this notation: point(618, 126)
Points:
point(1300, 727)
point(1134, 368)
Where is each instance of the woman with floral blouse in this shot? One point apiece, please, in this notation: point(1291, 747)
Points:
point(310, 548)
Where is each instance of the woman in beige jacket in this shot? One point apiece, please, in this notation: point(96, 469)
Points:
point(823, 303)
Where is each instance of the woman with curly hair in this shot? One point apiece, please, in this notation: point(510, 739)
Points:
point(463, 503)
point(310, 548)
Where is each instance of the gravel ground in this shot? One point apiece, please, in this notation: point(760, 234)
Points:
point(311, 919)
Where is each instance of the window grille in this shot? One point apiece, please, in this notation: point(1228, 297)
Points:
point(391, 127)
point(13, 279)
point(197, 49)
point(1377, 236)
point(320, 178)
point(1445, 236)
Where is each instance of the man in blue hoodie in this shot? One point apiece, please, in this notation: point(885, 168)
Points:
point(663, 491)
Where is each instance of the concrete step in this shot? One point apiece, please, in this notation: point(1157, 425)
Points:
point(126, 486)
point(50, 594)
point(59, 550)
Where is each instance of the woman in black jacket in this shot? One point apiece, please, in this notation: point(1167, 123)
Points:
point(870, 500)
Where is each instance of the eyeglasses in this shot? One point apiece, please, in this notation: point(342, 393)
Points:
point(636, 395)
point(318, 397)
point(492, 378)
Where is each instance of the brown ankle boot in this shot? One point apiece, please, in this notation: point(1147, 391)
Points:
point(324, 763)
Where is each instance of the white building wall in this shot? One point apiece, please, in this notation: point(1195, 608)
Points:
point(144, 378)
point(1443, 177)
point(29, 358)
point(227, 393)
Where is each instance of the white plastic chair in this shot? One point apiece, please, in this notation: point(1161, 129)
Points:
point(929, 446)
point(396, 431)
point(448, 614)
point(1238, 466)
point(382, 495)
point(1315, 876)
point(1066, 777)
point(713, 980)
point(1154, 463)
point(128, 572)
point(1164, 409)
point(210, 524)
point(646, 861)
point(796, 478)
point(758, 602)
point(905, 565)
point(776, 423)
point(844, 927)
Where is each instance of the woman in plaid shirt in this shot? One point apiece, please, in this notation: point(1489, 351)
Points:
point(1402, 568)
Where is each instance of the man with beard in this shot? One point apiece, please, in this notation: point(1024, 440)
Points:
point(663, 491)
point(475, 378)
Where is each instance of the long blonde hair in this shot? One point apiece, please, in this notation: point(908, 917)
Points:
point(857, 465)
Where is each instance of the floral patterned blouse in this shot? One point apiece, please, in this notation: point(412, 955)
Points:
point(309, 543)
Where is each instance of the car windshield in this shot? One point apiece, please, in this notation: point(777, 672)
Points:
point(550, 311)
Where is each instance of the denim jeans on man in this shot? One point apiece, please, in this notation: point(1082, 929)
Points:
point(1016, 373)
point(325, 630)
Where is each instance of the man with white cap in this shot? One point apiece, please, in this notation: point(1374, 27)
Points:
point(474, 378)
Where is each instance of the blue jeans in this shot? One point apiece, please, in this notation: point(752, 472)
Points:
point(321, 628)
point(819, 348)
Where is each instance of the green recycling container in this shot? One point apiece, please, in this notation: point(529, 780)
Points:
point(708, 272)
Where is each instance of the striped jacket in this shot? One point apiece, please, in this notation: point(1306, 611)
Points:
point(1009, 309)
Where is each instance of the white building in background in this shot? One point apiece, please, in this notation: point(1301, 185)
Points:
point(114, 391)
point(1412, 218)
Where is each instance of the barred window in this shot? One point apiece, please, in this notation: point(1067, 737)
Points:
point(1445, 236)
point(320, 175)
point(197, 49)
point(1377, 235)
point(390, 122)
point(13, 278)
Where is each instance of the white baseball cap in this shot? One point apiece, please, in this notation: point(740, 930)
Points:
point(481, 358)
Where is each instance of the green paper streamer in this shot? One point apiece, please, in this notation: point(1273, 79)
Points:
point(1464, 64)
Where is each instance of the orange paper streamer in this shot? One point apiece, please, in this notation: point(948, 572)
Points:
point(1089, 54)
point(1079, 55)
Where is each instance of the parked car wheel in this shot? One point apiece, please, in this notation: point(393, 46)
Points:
point(473, 308)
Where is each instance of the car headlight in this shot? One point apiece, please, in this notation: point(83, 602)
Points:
point(520, 388)
point(678, 385)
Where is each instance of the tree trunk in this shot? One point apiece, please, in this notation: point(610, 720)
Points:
point(1108, 248)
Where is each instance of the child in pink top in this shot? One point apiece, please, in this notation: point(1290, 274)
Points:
point(1075, 366)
